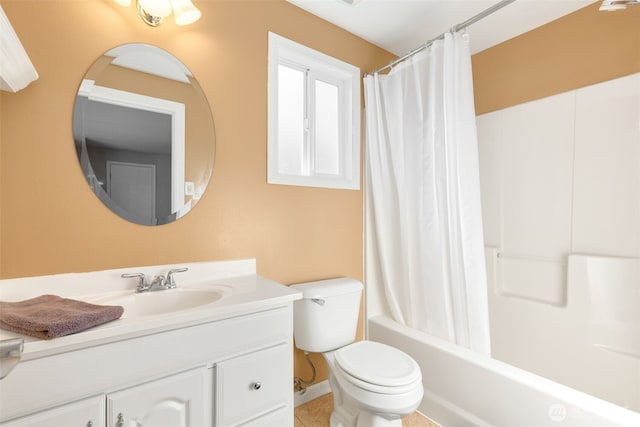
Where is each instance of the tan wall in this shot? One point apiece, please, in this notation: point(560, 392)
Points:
point(577, 50)
point(52, 223)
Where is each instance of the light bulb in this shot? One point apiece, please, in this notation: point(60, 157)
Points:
point(185, 12)
point(160, 8)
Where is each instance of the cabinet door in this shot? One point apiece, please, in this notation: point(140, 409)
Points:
point(254, 384)
point(279, 418)
point(85, 413)
point(181, 400)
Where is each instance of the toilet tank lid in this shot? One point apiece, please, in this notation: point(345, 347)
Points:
point(328, 288)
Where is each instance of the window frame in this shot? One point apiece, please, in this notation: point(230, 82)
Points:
point(324, 68)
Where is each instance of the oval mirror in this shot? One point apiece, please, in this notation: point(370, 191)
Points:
point(144, 134)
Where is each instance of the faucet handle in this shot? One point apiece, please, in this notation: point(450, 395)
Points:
point(141, 280)
point(170, 282)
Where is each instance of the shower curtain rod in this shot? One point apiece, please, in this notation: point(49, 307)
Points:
point(458, 27)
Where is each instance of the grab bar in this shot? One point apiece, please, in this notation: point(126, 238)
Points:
point(10, 354)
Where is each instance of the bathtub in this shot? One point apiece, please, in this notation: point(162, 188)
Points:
point(463, 388)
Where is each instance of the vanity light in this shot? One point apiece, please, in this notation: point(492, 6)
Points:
point(16, 69)
point(185, 12)
point(153, 12)
point(612, 5)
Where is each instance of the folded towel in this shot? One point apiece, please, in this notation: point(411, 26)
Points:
point(50, 316)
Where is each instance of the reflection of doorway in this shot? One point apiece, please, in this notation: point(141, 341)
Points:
point(138, 138)
point(132, 186)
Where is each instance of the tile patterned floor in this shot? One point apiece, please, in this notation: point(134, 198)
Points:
point(316, 414)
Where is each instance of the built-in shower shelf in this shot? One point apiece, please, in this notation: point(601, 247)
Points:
point(531, 277)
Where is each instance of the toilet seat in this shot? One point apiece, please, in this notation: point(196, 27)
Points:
point(378, 368)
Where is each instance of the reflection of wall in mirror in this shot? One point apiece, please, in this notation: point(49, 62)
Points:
point(199, 151)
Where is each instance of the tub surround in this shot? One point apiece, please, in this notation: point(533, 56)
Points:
point(465, 388)
point(217, 346)
point(587, 202)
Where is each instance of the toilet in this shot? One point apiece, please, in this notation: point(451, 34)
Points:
point(373, 384)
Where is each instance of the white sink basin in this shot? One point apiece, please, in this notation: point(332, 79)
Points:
point(160, 302)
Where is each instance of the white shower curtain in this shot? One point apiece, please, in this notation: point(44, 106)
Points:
point(423, 194)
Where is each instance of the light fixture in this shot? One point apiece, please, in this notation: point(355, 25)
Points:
point(185, 12)
point(613, 5)
point(153, 12)
point(16, 69)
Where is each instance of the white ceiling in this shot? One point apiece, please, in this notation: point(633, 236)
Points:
point(399, 26)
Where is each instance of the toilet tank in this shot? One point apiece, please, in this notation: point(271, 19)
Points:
point(326, 318)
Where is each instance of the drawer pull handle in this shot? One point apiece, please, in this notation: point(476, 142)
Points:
point(256, 386)
point(120, 420)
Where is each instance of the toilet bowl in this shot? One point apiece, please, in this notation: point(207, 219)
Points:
point(376, 384)
point(373, 384)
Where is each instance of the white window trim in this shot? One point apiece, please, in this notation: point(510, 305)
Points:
point(282, 50)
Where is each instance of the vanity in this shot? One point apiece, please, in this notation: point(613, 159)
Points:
point(215, 351)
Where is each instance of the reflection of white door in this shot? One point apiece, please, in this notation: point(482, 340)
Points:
point(132, 186)
point(176, 110)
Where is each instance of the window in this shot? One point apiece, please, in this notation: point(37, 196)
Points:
point(314, 118)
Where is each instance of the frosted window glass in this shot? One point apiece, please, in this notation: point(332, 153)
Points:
point(313, 118)
point(290, 120)
point(327, 142)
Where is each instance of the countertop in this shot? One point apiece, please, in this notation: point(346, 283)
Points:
point(243, 291)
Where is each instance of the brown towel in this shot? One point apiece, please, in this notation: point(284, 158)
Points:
point(50, 316)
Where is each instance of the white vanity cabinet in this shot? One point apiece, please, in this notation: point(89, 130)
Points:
point(224, 363)
point(85, 413)
point(181, 400)
point(231, 372)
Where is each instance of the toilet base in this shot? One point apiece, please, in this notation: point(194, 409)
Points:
point(343, 417)
point(347, 413)
point(367, 419)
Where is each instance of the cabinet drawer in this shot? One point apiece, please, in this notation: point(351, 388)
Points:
point(282, 417)
point(253, 384)
point(88, 412)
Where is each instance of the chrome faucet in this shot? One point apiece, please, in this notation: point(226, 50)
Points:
point(170, 283)
point(142, 282)
point(159, 283)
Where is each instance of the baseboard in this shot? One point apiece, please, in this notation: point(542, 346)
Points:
point(311, 392)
